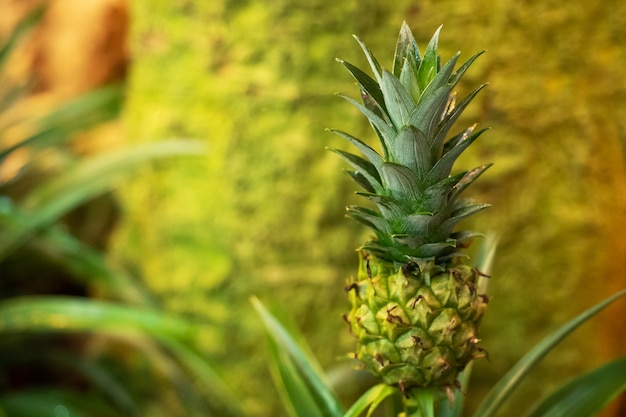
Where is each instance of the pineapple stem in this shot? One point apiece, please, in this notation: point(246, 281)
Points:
point(426, 402)
point(422, 402)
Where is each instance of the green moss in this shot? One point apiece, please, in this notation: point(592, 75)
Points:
point(263, 212)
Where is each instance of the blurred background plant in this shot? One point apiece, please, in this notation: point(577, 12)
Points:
point(263, 212)
point(78, 336)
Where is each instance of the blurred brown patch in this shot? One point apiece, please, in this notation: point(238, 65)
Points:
point(81, 45)
point(77, 47)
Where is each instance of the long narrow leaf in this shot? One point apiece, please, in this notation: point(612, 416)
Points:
point(85, 181)
point(371, 399)
point(375, 66)
point(296, 395)
point(367, 83)
point(23, 27)
point(586, 395)
point(57, 402)
point(76, 115)
point(304, 363)
point(76, 314)
point(503, 389)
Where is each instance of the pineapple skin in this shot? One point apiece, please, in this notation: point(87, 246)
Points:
point(416, 325)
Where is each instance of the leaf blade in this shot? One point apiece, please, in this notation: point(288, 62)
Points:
point(87, 180)
point(586, 395)
point(507, 384)
point(371, 398)
point(305, 364)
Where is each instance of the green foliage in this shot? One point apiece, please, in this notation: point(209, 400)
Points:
point(79, 183)
point(370, 400)
point(90, 356)
point(299, 377)
point(263, 213)
point(304, 390)
point(137, 326)
point(502, 390)
point(586, 395)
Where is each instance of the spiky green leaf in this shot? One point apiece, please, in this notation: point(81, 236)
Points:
point(466, 179)
point(406, 50)
point(389, 207)
point(430, 62)
point(370, 218)
point(442, 168)
point(428, 114)
point(364, 167)
point(408, 79)
point(463, 209)
point(361, 181)
point(371, 59)
point(411, 150)
point(420, 223)
point(398, 101)
point(448, 121)
point(442, 79)
point(385, 128)
point(401, 182)
point(369, 85)
point(435, 249)
point(438, 195)
point(461, 71)
point(365, 149)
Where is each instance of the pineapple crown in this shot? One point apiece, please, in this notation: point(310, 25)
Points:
point(412, 110)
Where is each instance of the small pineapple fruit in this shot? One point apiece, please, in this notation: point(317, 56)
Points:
point(415, 304)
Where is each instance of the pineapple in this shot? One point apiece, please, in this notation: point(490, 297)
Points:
point(415, 302)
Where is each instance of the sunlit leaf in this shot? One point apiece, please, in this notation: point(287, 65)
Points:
point(60, 124)
point(76, 314)
point(430, 61)
point(81, 183)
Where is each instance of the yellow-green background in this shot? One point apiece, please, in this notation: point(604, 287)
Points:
point(263, 213)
